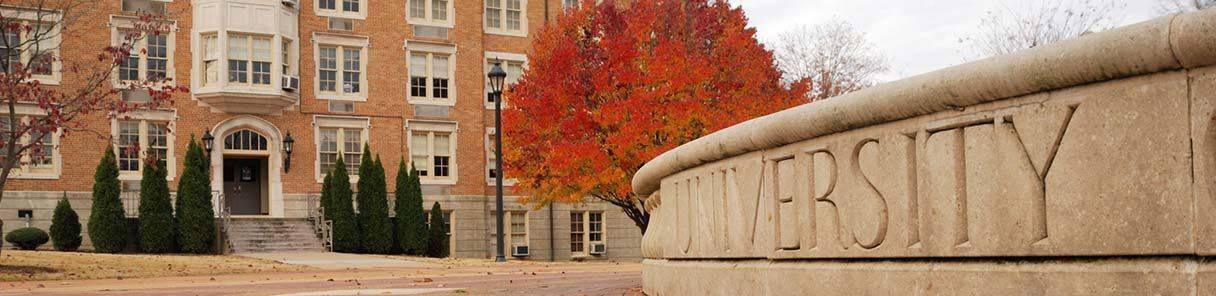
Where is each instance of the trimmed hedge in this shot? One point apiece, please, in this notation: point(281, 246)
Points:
point(157, 228)
point(195, 216)
point(65, 226)
point(438, 246)
point(28, 238)
point(411, 222)
point(107, 222)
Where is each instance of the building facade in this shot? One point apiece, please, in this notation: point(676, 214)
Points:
point(406, 77)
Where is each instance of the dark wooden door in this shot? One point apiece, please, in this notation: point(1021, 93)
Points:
point(243, 185)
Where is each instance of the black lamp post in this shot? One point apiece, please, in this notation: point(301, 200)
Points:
point(288, 145)
point(497, 75)
point(208, 141)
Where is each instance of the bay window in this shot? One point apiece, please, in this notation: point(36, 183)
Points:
point(249, 59)
point(211, 59)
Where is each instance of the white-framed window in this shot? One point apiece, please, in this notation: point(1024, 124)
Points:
point(144, 6)
point(211, 59)
point(285, 56)
point(151, 56)
point(37, 48)
point(342, 8)
point(340, 137)
point(491, 158)
point(586, 228)
point(41, 163)
point(568, 4)
point(515, 231)
point(513, 63)
point(341, 65)
point(249, 59)
point(147, 133)
point(431, 12)
point(506, 17)
point(433, 151)
point(430, 76)
point(447, 224)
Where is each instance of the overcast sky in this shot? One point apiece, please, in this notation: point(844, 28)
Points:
point(916, 36)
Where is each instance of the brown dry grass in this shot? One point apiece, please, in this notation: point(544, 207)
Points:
point(47, 265)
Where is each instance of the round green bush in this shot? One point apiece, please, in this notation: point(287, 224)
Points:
point(28, 238)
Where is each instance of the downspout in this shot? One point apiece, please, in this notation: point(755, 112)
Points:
point(552, 243)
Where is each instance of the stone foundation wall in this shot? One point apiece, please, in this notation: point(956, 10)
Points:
point(1084, 167)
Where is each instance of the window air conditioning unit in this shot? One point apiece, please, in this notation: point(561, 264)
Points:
point(519, 251)
point(597, 249)
point(290, 3)
point(291, 83)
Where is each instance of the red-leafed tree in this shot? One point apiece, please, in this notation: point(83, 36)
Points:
point(30, 36)
point(610, 87)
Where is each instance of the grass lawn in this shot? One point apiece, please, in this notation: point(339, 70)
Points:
point(50, 265)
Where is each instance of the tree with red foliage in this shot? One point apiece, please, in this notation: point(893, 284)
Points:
point(611, 87)
point(29, 53)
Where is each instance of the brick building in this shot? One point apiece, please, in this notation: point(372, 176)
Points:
point(405, 76)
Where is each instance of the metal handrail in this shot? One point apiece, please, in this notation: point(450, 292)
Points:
point(225, 221)
point(323, 228)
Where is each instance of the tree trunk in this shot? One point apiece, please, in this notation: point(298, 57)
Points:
point(632, 208)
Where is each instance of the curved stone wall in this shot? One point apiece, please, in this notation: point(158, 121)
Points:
point(1083, 167)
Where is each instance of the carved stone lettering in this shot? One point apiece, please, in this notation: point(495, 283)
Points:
point(789, 229)
point(872, 197)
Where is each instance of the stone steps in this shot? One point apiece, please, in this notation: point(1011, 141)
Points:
point(273, 235)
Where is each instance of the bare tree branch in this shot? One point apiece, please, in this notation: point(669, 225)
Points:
point(1037, 23)
point(1175, 6)
point(834, 56)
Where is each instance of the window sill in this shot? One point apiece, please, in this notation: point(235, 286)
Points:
point(34, 176)
point(451, 181)
point(505, 183)
point(46, 80)
point(139, 177)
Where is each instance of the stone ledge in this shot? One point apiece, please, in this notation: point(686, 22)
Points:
point(1083, 276)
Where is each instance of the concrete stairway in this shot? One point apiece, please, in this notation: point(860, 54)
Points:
point(265, 235)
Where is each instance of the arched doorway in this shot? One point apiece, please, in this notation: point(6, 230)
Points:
point(246, 166)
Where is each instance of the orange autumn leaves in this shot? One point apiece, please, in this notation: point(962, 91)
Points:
point(609, 88)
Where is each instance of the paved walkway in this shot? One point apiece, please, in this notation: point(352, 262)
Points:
point(347, 274)
point(324, 260)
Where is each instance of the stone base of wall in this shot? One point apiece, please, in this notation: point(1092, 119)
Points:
point(1106, 276)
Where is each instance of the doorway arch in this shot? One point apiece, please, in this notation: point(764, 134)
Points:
point(252, 138)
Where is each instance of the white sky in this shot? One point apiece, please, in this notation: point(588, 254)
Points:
point(916, 36)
